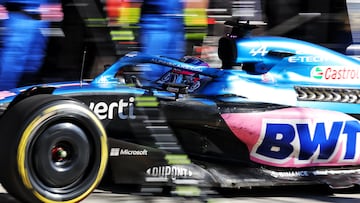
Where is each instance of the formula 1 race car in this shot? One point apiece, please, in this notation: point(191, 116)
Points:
point(279, 112)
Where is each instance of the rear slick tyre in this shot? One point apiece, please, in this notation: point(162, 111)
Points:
point(52, 149)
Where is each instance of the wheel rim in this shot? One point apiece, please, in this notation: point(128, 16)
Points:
point(61, 155)
point(51, 172)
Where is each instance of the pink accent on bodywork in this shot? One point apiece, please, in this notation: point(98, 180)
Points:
point(248, 127)
point(4, 94)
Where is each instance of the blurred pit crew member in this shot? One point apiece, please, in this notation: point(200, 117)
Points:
point(23, 44)
point(162, 31)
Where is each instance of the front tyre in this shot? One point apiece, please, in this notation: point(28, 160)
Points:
point(53, 149)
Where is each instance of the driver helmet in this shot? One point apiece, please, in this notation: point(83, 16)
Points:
point(194, 61)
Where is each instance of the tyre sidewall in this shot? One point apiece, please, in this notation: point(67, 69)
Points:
point(24, 123)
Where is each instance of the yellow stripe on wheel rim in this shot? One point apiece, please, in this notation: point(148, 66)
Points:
point(21, 152)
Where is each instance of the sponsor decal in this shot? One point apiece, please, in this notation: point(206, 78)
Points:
point(122, 109)
point(306, 59)
point(309, 142)
point(172, 172)
point(298, 137)
point(289, 174)
point(267, 77)
point(176, 64)
point(331, 73)
point(262, 51)
point(326, 172)
point(127, 152)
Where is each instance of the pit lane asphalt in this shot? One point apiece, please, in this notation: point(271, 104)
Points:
point(262, 196)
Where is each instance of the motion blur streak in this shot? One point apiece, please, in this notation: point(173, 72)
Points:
point(24, 45)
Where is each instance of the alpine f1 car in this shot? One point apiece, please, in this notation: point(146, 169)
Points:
point(279, 112)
